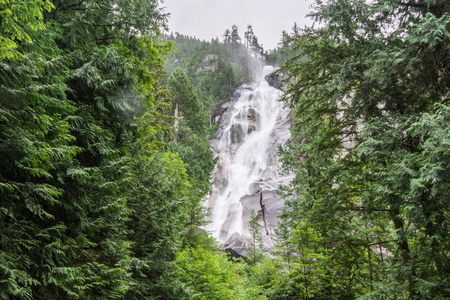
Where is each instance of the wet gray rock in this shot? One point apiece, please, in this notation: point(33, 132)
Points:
point(221, 178)
point(251, 128)
point(247, 86)
point(252, 120)
point(275, 80)
point(232, 214)
point(214, 144)
point(236, 246)
point(219, 112)
point(255, 188)
point(219, 132)
point(272, 205)
point(251, 114)
point(236, 134)
point(249, 203)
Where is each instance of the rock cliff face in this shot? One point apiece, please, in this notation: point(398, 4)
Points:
point(236, 246)
point(252, 126)
point(275, 80)
point(278, 81)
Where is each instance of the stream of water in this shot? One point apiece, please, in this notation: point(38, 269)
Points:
point(246, 146)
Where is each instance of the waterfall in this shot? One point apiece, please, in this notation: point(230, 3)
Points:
point(246, 144)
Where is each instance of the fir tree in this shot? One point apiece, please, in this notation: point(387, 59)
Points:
point(255, 244)
point(360, 160)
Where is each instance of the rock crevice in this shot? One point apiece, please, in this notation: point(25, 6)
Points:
point(263, 212)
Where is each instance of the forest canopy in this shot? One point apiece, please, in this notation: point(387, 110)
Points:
point(370, 151)
point(93, 204)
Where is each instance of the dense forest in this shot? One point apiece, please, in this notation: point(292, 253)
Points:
point(232, 62)
point(105, 161)
point(368, 215)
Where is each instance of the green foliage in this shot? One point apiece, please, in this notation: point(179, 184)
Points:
point(255, 244)
point(218, 83)
point(96, 202)
point(19, 21)
point(193, 147)
point(91, 206)
point(261, 278)
point(191, 108)
point(283, 51)
point(210, 275)
point(35, 143)
point(370, 183)
point(158, 201)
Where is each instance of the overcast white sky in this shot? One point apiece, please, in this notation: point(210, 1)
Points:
point(207, 19)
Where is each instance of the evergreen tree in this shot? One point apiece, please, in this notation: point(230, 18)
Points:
point(296, 30)
point(193, 148)
point(280, 55)
point(248, 36)
point(217, 83)
point(19, 21)
point(36, 152)
point(211, 275)
point(365, 179)
point(234, 35)
point(189, 105)
point(227, 36)
point(255, 244)
point(256, 47)
point(88, 194)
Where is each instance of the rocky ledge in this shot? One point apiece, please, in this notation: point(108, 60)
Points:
point(275, 80)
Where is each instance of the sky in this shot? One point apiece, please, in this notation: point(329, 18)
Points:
point(207, 19)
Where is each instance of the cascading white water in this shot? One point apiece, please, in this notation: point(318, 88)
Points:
point(246, 154)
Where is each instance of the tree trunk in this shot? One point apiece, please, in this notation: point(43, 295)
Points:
point(176, 121)
point(369, 252)
point(405, 253)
